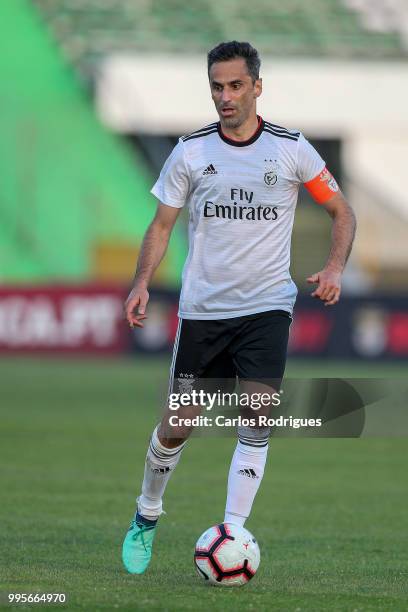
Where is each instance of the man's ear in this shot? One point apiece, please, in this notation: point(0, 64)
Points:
point(258, 88)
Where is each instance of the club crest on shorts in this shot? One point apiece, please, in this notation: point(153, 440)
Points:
point(271, 174)
point(186, 383)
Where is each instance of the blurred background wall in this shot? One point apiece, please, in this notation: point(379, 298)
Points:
point(95, 94)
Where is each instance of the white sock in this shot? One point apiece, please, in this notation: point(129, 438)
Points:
point(245, 475)
point(159, 466)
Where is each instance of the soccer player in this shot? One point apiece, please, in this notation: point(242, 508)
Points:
point(240, 178)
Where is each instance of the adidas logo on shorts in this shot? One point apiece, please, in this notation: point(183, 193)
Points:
point(210, 170)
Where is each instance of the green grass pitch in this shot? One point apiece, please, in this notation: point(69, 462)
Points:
point(330, 517)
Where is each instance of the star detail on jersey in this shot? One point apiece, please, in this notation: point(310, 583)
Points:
point(210, 170)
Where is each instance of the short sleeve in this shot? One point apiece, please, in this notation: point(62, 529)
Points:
point(173, 185)
point(309, 162)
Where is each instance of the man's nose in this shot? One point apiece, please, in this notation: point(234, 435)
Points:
point(226, 95)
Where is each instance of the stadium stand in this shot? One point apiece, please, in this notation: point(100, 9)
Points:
point(91, 29)
point(74, 199)
point(383, 16)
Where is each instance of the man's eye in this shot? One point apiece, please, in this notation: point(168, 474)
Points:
point(237, 85)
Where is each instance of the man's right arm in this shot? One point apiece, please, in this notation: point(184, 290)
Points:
point(153, 249)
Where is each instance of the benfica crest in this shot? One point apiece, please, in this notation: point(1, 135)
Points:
point(186, 383)
point(271, 174)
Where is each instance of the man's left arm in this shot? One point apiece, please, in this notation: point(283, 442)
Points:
point(343, 231)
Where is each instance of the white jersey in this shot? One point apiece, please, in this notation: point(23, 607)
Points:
point(241, 198)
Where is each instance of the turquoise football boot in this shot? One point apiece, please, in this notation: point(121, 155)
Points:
point(137, 546)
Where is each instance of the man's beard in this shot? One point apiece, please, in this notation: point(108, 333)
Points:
point(232, 122)
point(235, 122)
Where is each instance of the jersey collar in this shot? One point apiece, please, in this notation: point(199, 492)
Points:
point(242, 143)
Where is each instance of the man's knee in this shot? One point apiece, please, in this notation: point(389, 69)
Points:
point(176, 425)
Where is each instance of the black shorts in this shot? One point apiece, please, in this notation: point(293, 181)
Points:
point(252, 347)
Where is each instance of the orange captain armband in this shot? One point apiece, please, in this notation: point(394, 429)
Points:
point(322, 187)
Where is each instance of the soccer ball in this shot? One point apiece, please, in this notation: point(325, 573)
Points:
point(227, 555)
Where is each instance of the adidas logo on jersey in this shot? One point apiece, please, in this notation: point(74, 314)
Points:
point(248, 472)
point(210, 170)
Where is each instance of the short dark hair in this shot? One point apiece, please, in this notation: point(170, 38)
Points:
point(226, 51)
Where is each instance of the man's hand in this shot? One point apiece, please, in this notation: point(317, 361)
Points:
point(135, 306)
point(329, 286)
